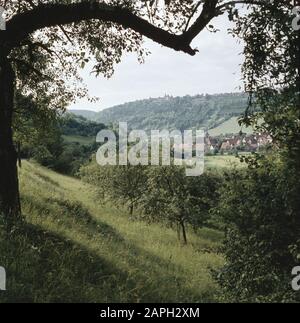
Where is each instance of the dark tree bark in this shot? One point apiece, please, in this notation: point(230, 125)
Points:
point(297, 157)
point(131, 208)
point(9, 187)
point(182, 224)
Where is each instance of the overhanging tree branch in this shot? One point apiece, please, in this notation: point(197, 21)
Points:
point(49, 15)
point(209, 11)
point(43, 16)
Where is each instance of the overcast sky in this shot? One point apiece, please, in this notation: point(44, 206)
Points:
point(215, 69)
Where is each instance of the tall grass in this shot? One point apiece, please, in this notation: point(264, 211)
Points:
point(74, 249)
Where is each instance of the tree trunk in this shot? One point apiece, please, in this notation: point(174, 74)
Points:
point(9, 186)
point(131, 208)
point(297, 157)
point(183, 232)
point(298, 61)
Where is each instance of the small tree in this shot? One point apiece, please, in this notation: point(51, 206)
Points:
point(174, 198)
point(123, 184)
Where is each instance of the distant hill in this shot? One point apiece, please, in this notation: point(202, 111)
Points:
point(90, 115)
point(201, 111)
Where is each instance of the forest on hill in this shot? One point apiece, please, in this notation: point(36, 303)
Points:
point(64, 145)
point(200, 111)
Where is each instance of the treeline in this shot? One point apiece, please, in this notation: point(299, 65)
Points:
point(200, 111)
point(72, 125)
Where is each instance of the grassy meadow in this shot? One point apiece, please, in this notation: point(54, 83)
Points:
point(229, 126)
point(225, 162)
point(75, 249)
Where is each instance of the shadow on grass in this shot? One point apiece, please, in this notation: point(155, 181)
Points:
point(45, 267)
point(69, 212)
point(76, 212)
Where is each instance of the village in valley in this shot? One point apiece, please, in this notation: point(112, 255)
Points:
point(234, 143)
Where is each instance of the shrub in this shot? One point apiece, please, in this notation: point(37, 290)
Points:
point(262, 233)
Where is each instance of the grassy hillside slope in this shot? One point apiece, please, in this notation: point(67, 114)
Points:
point(72, 248)
point(228, 127)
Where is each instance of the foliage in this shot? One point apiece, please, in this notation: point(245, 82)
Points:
point(261, 206)
point(72, 125)
point(262, 236)
point(175, 199)
point(41, 136)
point(73, 155)
point(271, 71)
point(33, 121)
point(36, 130)
point(123, 184)
point(162, 194)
